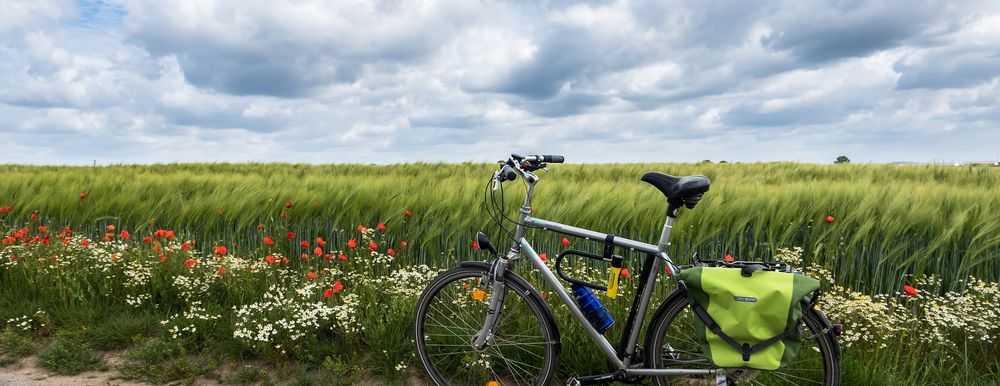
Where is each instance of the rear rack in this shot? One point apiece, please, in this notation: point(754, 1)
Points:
point(765, 265)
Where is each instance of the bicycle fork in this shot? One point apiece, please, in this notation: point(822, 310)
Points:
point(495, 278)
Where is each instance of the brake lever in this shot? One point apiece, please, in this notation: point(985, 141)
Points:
point(496, 180)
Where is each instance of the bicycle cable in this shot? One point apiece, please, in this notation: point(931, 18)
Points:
point(487, 196)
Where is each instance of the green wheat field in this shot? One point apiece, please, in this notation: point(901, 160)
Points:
point(308, 274)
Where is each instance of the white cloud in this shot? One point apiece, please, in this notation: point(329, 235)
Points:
point(384, 81)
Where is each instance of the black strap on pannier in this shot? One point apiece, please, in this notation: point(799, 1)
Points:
point(745, 349)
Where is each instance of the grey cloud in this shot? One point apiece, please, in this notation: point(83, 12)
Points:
point(849, 29)
point(251, 50)
point(950, 70)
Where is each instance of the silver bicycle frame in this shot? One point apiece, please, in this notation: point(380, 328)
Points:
point(659, 250)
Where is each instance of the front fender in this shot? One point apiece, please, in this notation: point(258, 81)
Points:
point(533, 294)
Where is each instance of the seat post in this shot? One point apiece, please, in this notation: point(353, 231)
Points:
point(673, 208)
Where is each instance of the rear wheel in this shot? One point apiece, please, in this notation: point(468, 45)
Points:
point(450, 313)
point(672, 344)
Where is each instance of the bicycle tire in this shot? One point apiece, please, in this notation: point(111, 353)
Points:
point(443, 341)
point(673, 321)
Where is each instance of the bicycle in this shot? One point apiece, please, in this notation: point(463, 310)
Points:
point(481, 323)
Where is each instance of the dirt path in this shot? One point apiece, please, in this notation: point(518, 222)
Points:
point(27, 373)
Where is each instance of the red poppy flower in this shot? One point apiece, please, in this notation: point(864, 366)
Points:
point(125, 234)
point(910, 291)
point(222, 271)
point(269, 259)
point(288, 205)
point(305, 244)
point(290, 235)
point(407, 213)
point(362, 228)
point(311, 275)
point(305, 256)
point(318, 251)
point(34, 216)
point(185, 247)
point(380, 226)
point(372, 246)
point(565, 242)
point(320, 241)
point(342, 257)
point(625, 273)
point(830, 218)
point(83, 195)
point(728, 259)
point(220, 250)
point(43, 229)
point(163, 257)
point(391, 252)
point(284, 260)
point(337, 286)
point(328, 256)
point(147, 239)
point(475, 246)
point(190, 263)
point(352, 243)
point(114, 257)
point(268, 241)
point(543, 256)
point(110, 227)
point(85, 243)
point(328, 293)
point(402, 244)
point(156, 247)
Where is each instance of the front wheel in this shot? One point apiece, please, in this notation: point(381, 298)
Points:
point(672, 344)
point(451, 312)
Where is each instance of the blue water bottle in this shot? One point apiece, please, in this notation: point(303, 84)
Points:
point(592, 308)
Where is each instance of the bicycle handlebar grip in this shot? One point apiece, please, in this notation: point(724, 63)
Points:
point(508, 174)
point(555, 159)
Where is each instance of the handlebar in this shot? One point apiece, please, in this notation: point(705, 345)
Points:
point(555, 159)
point(507, 173)
point(524, 165)
point(552, 159)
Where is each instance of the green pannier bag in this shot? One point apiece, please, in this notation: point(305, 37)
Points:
point(747, 316)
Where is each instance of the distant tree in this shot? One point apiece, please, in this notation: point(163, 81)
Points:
point(842, 160)
point(708, 161)
point(723, 162)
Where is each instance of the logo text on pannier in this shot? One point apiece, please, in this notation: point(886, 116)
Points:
point(746, 299)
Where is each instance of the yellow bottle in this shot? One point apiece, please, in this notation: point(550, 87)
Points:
point(613, 282)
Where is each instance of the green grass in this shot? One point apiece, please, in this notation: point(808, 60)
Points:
point(14, 345)
point(889, 219)
point(69, 354)
point(165, 361)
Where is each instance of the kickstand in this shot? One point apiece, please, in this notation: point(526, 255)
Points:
point(720, 377)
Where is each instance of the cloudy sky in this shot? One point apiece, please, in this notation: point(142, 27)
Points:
point(455, 80)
